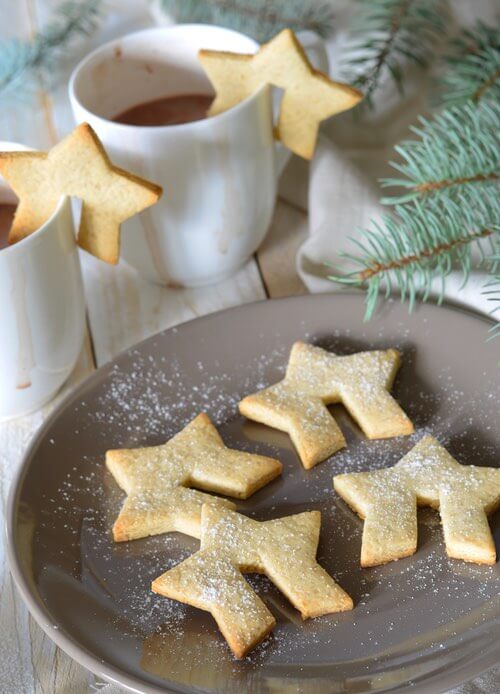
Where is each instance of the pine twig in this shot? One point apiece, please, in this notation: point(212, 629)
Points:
point(388, 34)
point(449, 207)
point(473, 66)
point(424, 255)
point(20, 59)
point(418, 244)
point(261, 19)
point(457, 153)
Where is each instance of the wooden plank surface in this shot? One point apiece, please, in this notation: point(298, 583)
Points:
point(31, 661)
point(124, 309)
point(276, 256)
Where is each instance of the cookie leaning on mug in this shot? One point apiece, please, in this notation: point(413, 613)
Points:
point(309, 96)
point(157, 480)
point(77, 166)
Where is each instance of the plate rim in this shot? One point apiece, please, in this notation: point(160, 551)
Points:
point(453, 675)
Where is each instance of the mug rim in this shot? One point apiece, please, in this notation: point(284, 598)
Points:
point(75, 101)
point(22, 243)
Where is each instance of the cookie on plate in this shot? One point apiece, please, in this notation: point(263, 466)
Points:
point(157, 480)
point(316, 378)
point(231, 544)
point(428, 475)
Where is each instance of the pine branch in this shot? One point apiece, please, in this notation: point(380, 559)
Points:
point(388, 34)
point(261, 19)
point(457, 155)
point(450, 206)
point(20, 60)
point(473, 66)
point(419, 243)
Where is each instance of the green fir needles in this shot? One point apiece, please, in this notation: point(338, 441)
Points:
point(473, 66)
point(450, 206)
point(412, 249)
point(22, 59)
point(447, 204)
point(387, 35)
point(456, 155)
point(261, 19)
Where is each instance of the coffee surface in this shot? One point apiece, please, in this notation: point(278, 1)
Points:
point(168, 110)
point(7, 211)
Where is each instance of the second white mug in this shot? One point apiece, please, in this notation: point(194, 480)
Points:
point(219, 174)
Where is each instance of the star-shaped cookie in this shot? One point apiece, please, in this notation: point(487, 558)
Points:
point(156, 480)
point(231, 544)
point(76, 166)
point(427, 476)
point(316, 378)
point(309, 96)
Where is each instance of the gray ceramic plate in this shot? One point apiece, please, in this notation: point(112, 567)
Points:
point(425, 620)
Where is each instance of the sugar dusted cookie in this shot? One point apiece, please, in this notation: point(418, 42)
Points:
point(316, 378)
point(231, 544)
point(156, 480)
point(309, 96)
point(428, 476)
point(77, 166)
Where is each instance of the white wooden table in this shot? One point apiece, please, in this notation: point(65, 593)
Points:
point(121, 310)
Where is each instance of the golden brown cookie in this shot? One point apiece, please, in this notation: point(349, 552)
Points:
point(156, 480)
point(316, 378)
point(76, 166)
point(231, 544)
point(428, 476)
point(309, 96)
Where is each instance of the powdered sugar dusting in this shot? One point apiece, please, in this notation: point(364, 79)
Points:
point(147, 401)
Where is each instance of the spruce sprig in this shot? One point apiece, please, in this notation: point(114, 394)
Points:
point(387, 35)
point(473, 66)
point(20, 60)
point(407, 251)
point(261, 19)
point(456, 154)
point(450, 206)
point(449, 200)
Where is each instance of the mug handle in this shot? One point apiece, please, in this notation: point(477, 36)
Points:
point(315, 49)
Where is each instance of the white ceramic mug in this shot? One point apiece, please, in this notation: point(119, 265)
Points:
point(42, 310)
point(219, 174)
